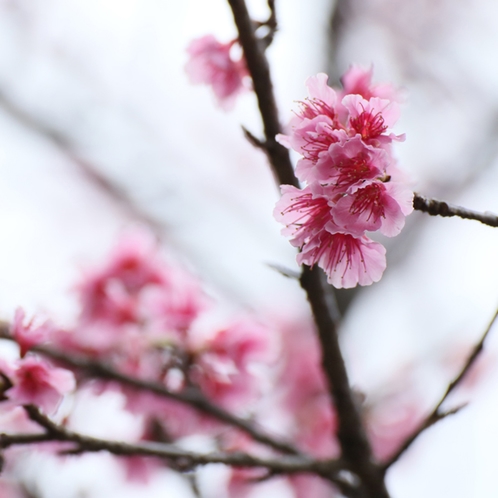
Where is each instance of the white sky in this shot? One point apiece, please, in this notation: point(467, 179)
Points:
point(108, 75)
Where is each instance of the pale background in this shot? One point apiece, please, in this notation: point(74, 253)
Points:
point(97, 88)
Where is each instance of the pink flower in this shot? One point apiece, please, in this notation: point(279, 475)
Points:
point(315, 127)
point(347, 260)
point(345, 142)
point(175, 305)
point(350, 164)
point(223, 366)
point(111, 294)
point(36, 382)
point(28, 335)
point(213, 63)
point(373, 207)
point(357, 80)
point(372, 118)
point(303, 213)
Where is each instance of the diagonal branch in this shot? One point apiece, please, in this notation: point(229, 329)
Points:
point(354, 444)
point(190, 396)
point(440, 208)
point(183, 459)
point(436, 415)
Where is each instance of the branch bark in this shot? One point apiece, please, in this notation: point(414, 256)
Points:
point(183, 459)
point(436, 415)
point(355, 446)
point(434, 207)
point(189, 396)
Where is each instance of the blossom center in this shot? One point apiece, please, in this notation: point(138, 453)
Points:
point(369, 200)
point(352, 170)
point(369, 125)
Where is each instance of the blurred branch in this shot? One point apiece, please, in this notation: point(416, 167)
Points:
point(436, 415)
point(190, 396)
point(440, 208)
point(338, 17)
point(183, 459)
point(355, 446)
point(91, 172)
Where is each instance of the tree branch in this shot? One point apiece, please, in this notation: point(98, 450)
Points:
point(436, 415)
point(257, 64)
point(354, 444)
point(190, 396)
point(183, 459)
point(440, 208)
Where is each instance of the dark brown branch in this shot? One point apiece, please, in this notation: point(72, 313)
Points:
point(441, 208)
point(189, 396)
point(354, 444)
point(253, 140)
point(263, 88)
point(436, 415)
point(182, 458)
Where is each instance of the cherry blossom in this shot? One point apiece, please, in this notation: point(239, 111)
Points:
point(373, 207)
point(353, 185)
point(213, 63)
point(36, 382)
point(28, 335)
point(358, 81)
point(303, 213)
point(223, 367)
point(110, 294)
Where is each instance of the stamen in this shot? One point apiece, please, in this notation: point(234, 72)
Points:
point(369, 125)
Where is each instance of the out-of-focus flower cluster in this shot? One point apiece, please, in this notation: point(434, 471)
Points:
point(148, 318)
point(353, 185)
point(218, 65)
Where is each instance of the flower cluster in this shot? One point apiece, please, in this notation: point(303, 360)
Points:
point(352, 183)
point(147, 318)
point(214, 63)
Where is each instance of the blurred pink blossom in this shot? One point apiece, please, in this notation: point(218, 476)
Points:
point(28, 335)
point(358, 80)
point(110, 294)
point(36, 382)
point(224, 366)
point(213, 63)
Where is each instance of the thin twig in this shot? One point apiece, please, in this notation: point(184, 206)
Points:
point(436, 415)
point(441, 208)
point(354, 444)
point(253, 140)
point(260, 73)
point(190, 396)
point(183, 458)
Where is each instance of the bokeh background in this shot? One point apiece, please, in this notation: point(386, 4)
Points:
point(101, 131)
